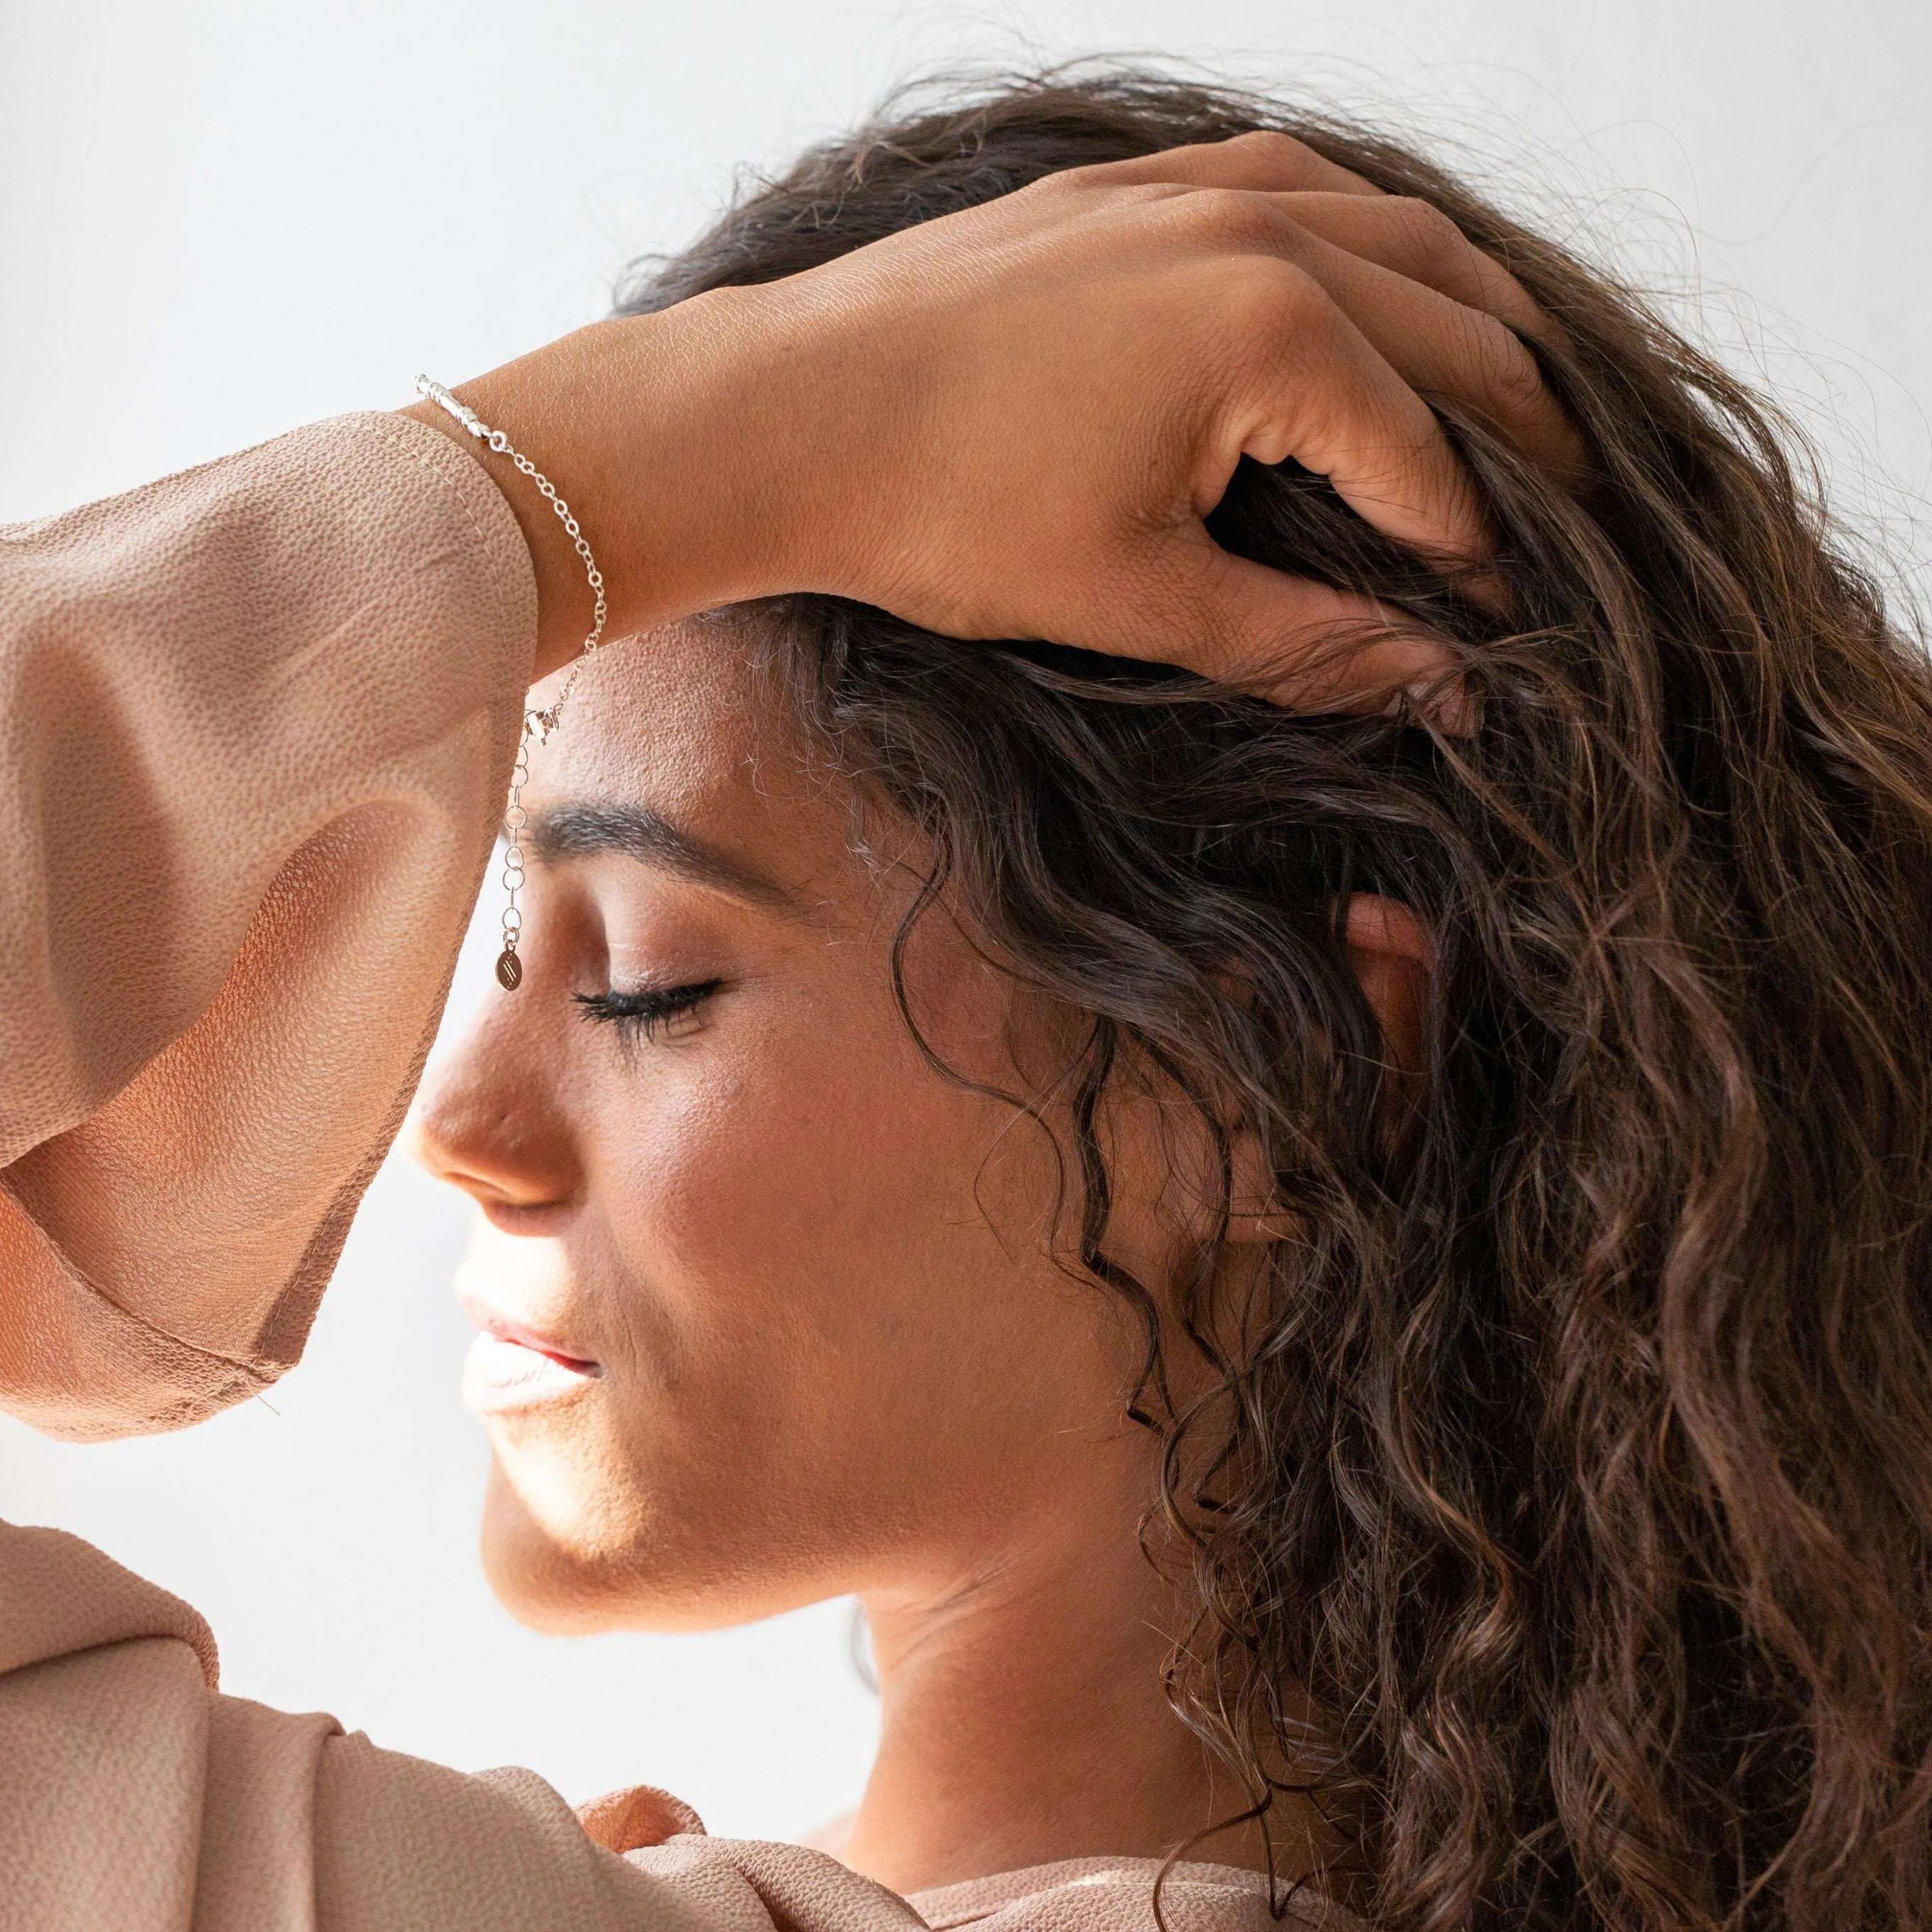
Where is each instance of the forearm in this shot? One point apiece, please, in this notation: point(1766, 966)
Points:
point(255, 758)
point(653, 429)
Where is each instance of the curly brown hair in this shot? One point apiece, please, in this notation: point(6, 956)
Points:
point(1576, 1456)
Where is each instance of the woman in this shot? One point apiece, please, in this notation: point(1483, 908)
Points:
point(1379, 1140)
point(260, 719)
point(1409, 1243)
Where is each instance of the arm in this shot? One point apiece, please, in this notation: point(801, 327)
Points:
point(134, 1797)
point(258, 721)
point(259, 716)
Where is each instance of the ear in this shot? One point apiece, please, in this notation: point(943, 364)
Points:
point(1393, 957)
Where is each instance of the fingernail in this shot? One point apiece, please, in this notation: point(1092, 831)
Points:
point(1445, 702)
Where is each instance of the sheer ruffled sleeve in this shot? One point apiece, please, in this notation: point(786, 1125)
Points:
point(135, 1797)
point(256, 722)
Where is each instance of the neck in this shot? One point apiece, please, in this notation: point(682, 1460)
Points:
point(1024, 1722)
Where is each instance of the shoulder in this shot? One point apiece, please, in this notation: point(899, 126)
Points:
point(60, 1597)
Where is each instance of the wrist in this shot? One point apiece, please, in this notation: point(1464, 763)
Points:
point(641, 423)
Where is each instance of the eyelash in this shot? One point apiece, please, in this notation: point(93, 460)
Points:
point(640, 1013)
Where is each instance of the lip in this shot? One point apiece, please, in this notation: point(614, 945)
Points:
point(512, 1365)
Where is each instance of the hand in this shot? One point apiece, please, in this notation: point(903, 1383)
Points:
point(1010, 422)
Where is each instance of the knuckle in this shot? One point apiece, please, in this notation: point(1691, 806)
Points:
point(1432, 240)
point(1508, 372)
point(1063, 185)
point(1270, 141)
point(1227, 216)
point(1262, 301)
point(1112, 190)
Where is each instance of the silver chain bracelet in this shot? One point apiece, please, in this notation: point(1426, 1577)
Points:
point(537, 725)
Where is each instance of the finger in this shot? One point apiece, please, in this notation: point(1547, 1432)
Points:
point(1263, 159)
point(1438, 346)
point(1296, 643)
point(1443, 347)
point(1418, 250)
point(1414, 238)
point(1322, 394)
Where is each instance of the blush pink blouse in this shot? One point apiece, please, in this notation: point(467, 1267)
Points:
point(256, 725)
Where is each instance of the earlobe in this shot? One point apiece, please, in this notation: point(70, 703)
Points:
point(1393, 957)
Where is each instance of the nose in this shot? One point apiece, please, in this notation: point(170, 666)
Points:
point(488, 1121)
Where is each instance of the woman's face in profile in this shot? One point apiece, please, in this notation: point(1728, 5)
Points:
point(769, 1308)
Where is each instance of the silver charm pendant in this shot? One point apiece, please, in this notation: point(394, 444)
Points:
point(509, 970)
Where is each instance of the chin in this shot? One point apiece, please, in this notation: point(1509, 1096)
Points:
point(537, 1578)
point(568, 1574)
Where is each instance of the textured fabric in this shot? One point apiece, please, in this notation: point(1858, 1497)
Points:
point(1117, 1895)
point(135, 1797)
point(255, 723)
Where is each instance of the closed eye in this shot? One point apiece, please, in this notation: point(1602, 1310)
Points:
point(645, 1012)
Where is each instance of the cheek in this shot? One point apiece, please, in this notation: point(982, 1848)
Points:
point(834, 1314)
point(816, 1207)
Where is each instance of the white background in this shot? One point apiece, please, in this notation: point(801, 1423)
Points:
point(221, 217)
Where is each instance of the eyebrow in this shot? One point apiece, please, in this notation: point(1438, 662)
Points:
point(637, 832)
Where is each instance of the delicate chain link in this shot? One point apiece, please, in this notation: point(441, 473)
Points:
point(537, 725)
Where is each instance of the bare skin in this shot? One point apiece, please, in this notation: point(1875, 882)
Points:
point(773, 1311)
point(1011, 422)
point(1076, 1751)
